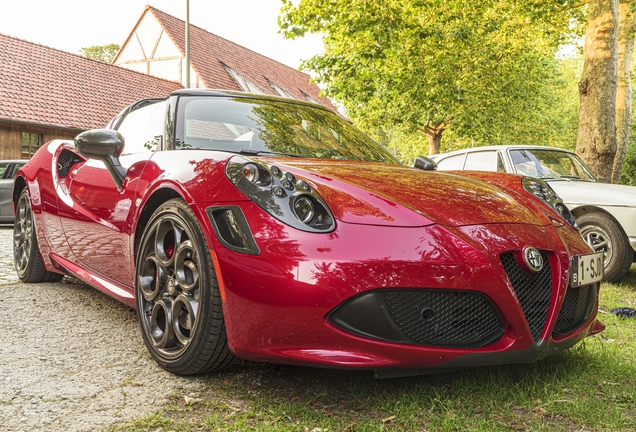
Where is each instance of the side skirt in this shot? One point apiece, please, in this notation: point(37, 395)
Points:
point(114, 289)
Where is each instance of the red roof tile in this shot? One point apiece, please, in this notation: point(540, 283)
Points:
point(209, 53)
point(47, 86)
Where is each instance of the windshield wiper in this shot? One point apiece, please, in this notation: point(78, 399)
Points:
point(577, 178)
point(251, 152)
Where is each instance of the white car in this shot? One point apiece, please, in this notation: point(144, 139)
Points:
point(605, 213)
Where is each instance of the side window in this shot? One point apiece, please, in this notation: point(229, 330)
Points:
point(142, 129)
point(16, 168)
point(3, 170)
point(500, 163)
point(451, 163)
point(482, 161)
point(12, 170)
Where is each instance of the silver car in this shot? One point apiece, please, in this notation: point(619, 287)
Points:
point(605, 213)
point(8, 169)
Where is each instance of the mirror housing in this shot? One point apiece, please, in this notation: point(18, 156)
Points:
point(105, 145)
point(424, 163)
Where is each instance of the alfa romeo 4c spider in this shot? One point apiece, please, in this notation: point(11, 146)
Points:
point(270, 229)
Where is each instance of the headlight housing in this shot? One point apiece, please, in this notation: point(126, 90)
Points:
point(287, 198)
point(542, 190)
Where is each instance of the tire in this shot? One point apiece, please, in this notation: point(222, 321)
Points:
point(27, 259)
point(603, 233)
point(179, 306)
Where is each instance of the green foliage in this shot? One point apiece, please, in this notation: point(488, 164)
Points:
point(628, 176)
point(485, 70)
point(103, 53)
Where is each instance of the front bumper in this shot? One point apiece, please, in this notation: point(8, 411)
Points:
point(531, 354)
point(278, 303)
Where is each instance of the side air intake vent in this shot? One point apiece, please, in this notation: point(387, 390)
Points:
point(232, 230)
point(65, 162)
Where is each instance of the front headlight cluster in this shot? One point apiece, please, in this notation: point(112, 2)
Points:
point(545, 193)
point(281, 194)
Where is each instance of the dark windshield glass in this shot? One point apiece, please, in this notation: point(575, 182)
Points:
point(552, 164)
point(235, 124)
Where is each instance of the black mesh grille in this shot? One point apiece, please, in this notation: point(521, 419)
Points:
point(578, 307)
point(65, 162)
point(532, 289)
point(444, 318)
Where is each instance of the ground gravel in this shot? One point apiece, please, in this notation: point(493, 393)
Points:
point(72, 358)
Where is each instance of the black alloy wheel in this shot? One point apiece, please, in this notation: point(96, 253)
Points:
point(26, 252)
point(179, 306)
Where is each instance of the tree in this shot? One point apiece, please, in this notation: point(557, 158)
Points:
point(103, 53)
point(626, 32)
point(431, 65)
point(596, 142)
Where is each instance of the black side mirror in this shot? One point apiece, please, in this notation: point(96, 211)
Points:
point(105, 145)
point(424, 163)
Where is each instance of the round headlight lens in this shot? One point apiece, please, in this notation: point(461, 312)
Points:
point(256, 174)
point(251, 172)
point(304, 208)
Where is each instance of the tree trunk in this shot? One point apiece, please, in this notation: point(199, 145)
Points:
point(434, 135)
point(596, 141)
point(626, 31)
point(434, 140)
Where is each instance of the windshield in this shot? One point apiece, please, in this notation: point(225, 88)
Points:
point(550, 164)
point(271, 127)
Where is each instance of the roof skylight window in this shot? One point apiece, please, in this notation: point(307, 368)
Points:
point(245, 84)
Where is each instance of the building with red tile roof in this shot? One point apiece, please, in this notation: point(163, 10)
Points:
point(49, 94)
point(156, 46)
point(46, 94)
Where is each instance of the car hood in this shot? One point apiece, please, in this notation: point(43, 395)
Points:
point(575, 193)
point(378, 194)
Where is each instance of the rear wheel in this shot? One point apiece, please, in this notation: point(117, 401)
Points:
point(26, 252)
point(604, 234)
point(178, 300)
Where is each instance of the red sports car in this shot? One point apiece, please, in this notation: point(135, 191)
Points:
point(271, 229)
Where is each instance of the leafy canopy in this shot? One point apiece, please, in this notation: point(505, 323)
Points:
point(103, 53)
point(486, 69)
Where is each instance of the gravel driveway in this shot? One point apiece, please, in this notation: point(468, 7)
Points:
point(72, 358)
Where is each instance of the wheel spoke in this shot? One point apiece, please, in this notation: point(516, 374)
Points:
point(161, 327)
point(184, 312)
point(164, 244)
point(185, 267)
point(19, 230)
point(598, 240)
point(151, 279)
point(22, 259)
point(28, 222)
point(179, 236)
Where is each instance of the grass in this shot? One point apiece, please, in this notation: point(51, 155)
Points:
point(590, 387)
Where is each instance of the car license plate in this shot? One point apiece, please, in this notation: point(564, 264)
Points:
point(587, 269)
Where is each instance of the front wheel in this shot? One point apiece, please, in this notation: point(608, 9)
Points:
point(26, 252)
point(178, 300)
point(604, 234)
